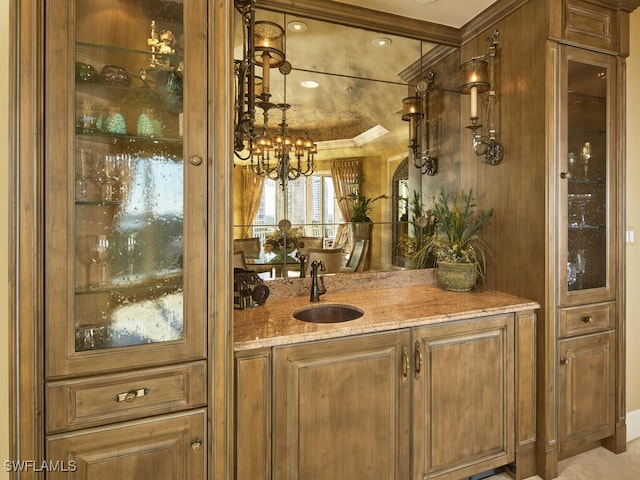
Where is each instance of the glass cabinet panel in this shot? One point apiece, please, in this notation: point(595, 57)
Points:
point(129, 165)
point(136, 241)
point(587, 191)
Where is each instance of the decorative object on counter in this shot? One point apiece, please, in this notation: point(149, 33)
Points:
point(115, 75)
point(114, 122)
point(248, 289)
point(477, 79)
point(459, 251)
point(86, 73)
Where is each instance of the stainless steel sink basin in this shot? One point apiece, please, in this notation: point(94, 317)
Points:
point(330, 313)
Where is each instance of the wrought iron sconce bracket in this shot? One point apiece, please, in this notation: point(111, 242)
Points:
point(477, 80)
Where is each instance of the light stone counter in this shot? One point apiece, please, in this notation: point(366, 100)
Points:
point(272, 324)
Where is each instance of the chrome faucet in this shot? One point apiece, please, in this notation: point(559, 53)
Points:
point(317, 283)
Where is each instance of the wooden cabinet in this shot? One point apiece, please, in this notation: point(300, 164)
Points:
point(586, 390)
point(443, 401)
point(463, 398)
point(125, 239)
point(342, 408)
point(564, 223)
point(173, 446)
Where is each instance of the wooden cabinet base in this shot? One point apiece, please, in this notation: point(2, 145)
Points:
point(172, 446)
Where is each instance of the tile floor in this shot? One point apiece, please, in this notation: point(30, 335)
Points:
point(597, 464)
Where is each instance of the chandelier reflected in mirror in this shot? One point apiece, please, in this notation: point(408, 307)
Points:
point(277, 156)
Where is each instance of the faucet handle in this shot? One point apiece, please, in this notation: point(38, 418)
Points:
point(322, 267)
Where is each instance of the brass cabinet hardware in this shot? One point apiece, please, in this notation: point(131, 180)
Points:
point(131, 396)
point(195, 160)
point(418, 358)
point(405, 362)
point(195, 446)
point(564, 360)
point(565, 175)
point(587, 319)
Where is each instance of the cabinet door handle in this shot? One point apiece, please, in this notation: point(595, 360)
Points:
point(587, 319)
point(131, 396)
point(418, 359)
point(565, 175)
point(195, 446)
point(405, 362)
point(564, 360)
point(195, 160)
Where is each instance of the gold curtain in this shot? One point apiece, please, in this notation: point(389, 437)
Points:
point(250, 196)
point(346, 175)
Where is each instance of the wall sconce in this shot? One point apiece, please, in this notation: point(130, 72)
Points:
point(477, 80)
point(415, 110)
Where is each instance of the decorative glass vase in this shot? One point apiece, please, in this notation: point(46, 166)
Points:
point(457, 277)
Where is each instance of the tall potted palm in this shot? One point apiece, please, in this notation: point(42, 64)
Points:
point(361, 223)
point(459, 251)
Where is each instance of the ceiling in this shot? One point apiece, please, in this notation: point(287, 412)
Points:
point(454, 13)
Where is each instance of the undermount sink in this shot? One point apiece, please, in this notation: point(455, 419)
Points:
point(330, 313)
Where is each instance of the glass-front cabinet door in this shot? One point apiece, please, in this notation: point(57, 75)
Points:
point(587, 196)
point(125, 207)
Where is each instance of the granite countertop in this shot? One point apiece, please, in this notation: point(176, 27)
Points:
point(272, 324)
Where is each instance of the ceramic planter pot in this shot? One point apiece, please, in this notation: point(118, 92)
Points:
point(457, 277)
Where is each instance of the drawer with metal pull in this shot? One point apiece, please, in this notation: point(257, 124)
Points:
point(586, 319)
point(73, 404)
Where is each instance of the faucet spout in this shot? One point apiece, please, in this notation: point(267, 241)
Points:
point(317, 283)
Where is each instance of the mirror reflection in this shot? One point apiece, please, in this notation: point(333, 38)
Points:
point(344, 94)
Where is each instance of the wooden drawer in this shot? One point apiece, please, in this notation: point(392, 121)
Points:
point(588, 319)
point(113, 398)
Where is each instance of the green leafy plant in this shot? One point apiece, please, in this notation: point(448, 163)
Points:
point(361, 206)
point(423, 224)
point(458, 225)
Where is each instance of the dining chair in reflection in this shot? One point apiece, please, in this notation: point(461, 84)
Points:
point(331, 257)
point(250, 246)
point(355, 263)
point(305, 243)
point(341, 239)
point(238, 260)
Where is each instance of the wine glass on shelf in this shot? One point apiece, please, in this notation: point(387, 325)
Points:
point(107, 173)
point(94, 249)
point(129, 248)
point(83, 171)
point(127, 165)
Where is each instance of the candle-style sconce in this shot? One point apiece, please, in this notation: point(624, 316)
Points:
point(477, 80)
point(415, 110)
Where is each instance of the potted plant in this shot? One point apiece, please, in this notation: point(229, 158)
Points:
point(361, 223)
point(459, 251)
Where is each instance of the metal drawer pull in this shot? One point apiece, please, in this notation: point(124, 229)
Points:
point(405, 362)
point(131, 396)
point(418, 359)
point(586, 319)
point(195, 446)
point(564, 361)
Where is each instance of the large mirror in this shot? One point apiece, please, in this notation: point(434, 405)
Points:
point(345, 93)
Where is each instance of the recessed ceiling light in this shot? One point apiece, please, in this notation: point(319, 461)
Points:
point(426, 2)
point(297, 26)
point(309, 84)
point(381, 42)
